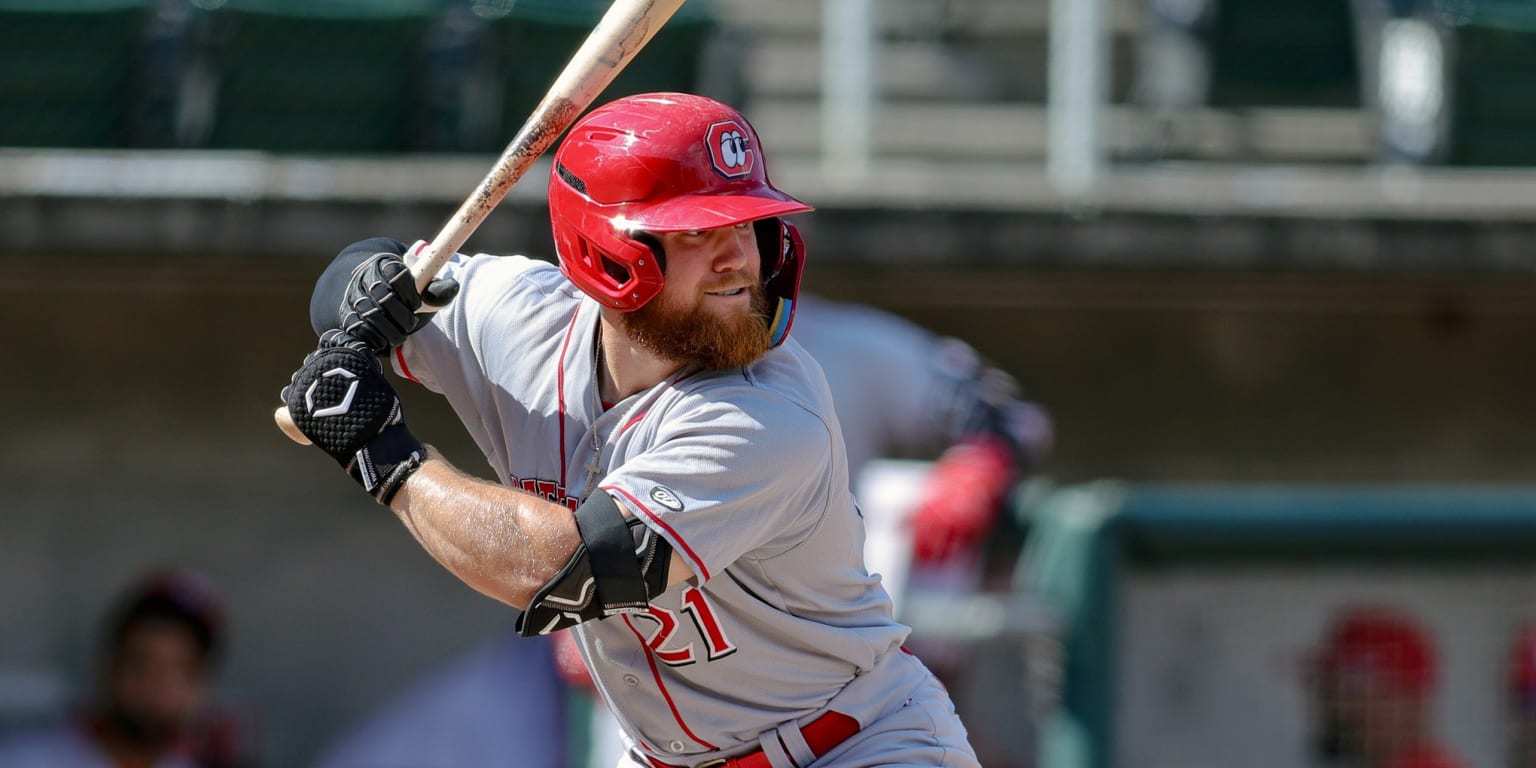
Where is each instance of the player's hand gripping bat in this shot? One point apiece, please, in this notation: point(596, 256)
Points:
point(620, 34)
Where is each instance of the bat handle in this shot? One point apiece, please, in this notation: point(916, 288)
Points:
point(285, 423)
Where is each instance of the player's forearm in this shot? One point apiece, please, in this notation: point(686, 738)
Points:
point(505, 543)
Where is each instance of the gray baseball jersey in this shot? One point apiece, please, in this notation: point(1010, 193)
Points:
point(742, 471)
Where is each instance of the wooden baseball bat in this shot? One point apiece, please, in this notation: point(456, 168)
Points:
point(624, 29)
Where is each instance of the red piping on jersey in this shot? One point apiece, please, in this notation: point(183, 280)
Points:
point(698, 564)
point(650, 658)
point(632, 422)
point(400, 350)
point(405, 369)
point(560, 384)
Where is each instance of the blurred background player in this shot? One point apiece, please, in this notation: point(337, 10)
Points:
point(903, 391)
point(159, 648)
point(938, 438)
point(1372, 687)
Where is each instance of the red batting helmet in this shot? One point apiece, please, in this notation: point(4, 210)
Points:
point(1377, 647)
point(665, 162)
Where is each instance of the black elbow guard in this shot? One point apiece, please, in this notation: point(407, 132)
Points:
point(618, 567)
point(327, 303)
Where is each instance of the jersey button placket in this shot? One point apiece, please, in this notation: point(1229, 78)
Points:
point(677, 746)
point(631, 681)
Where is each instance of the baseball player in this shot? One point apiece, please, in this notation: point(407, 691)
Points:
point(1372, 684)
point(674, 488)
point(933, 392)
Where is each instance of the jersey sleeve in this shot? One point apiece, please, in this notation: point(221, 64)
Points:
point(743, 478)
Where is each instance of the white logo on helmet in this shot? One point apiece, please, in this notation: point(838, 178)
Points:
point(729, 150)
point(667, 498)
point(733, 149)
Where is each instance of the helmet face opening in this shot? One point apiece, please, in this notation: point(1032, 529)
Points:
point(661, 162)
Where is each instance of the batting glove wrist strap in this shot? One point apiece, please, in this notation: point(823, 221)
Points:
point(384, 464)
point(341, 401)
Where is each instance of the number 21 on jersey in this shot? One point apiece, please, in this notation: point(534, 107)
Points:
point(716, 644)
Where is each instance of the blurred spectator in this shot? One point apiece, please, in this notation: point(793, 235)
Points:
point(1372, 685)
point(159, 647)
point(1522, 699)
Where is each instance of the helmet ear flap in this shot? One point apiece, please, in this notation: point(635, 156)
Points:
point(783, 254)
point(770, 238)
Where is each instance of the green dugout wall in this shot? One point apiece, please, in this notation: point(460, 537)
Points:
point(1188, 613)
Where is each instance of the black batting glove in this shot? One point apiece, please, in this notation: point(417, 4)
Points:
point(341, 401)
point(382, 306)
point(368, 292)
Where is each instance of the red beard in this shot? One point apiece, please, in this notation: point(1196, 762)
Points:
point(701, 337)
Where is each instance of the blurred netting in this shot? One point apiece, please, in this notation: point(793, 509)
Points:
point(331, 76)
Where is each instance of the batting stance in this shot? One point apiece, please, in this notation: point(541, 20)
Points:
point(674, 486)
